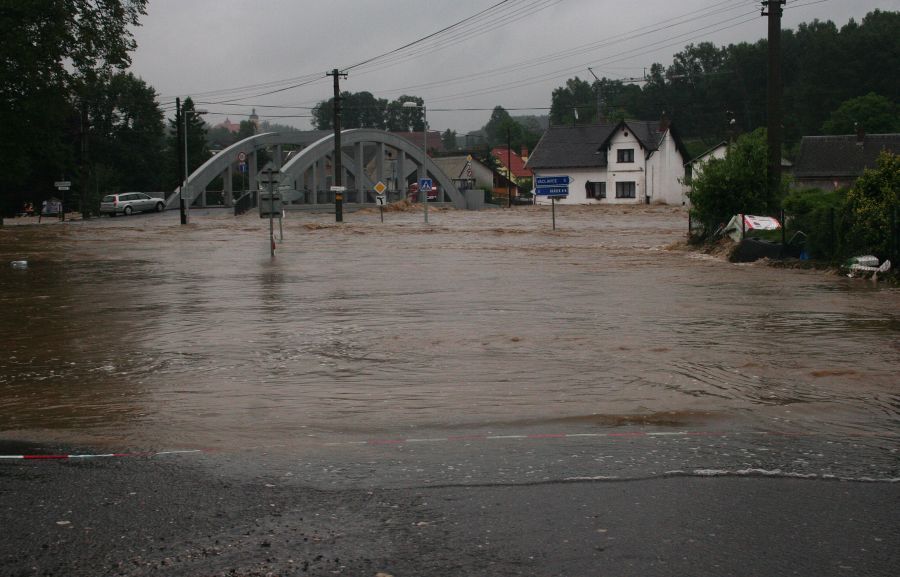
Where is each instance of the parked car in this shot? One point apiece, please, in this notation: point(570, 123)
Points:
point(130, 202)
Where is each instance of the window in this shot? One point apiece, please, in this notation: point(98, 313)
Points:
point(625, 189)
point(625, 155)
point(595, 189)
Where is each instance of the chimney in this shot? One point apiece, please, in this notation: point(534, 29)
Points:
point(860, 134)
point(524, 153)
point(664, 122)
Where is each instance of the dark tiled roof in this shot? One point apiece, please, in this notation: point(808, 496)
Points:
point(577, 146)
point(827, 156)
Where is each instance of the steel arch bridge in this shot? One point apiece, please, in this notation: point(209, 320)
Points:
point(305, 175)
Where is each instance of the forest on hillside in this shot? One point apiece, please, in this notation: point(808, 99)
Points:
point(711, 91)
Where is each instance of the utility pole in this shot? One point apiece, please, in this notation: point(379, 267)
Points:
point(338, 169)
point(85, 212)
point(179, 157)
point(508, 170)
point(773, 9)
point(599, 97)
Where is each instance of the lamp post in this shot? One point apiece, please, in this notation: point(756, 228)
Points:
point(184, 206)
point(424, 150)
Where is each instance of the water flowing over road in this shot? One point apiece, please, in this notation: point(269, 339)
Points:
point(481, 335)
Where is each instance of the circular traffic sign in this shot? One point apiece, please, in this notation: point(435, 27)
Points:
point(242, 156)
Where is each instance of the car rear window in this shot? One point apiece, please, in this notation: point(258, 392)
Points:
point(109, 198)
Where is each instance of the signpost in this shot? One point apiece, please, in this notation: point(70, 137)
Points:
point(62, 186)
point(338, 202)
point(553, 187)
point(242, 168)
point(425, 186)
point(380, 198)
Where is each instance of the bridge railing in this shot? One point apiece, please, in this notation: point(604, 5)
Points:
point(245, 202)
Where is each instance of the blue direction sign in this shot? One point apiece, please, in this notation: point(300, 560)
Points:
point(552, 191)
point(542, 181)
point(425, 184)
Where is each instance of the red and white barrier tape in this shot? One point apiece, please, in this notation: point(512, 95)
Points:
point(38, 457)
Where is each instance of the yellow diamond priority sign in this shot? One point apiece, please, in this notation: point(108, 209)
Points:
point(380, 187)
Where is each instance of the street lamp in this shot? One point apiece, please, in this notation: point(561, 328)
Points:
point(424, 150)
point(183, 205)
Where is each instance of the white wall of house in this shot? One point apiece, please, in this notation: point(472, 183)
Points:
point(577, 194)
point(659, 177)
point(666, 174)
point(628, 174)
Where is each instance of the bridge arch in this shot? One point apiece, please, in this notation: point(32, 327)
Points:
point(305, 164)
point(224, 161)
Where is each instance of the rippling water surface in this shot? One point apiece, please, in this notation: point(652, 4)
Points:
point(138, 332)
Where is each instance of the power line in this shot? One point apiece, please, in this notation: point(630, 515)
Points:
point(414, 42)
point(524, 65)
point(615, 58)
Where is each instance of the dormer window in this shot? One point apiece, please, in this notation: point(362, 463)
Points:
point(625, 155)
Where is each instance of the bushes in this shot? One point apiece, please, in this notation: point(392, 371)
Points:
point(872, 206)
point(735, 184)
point(817, 214)
point(841, 223)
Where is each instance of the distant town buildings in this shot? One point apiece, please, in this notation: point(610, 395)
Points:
point(234, 127)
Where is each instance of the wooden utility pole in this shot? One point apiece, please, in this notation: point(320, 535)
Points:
point(179, 139)
point(336, 162)
point(508, 170)
point(773, 9)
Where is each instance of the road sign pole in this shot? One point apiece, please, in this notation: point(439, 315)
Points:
point(553, 210)
point(271, 216)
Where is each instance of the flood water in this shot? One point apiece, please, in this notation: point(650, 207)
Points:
point(137, 332)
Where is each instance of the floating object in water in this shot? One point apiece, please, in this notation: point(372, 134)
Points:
point(867, 260)
point(19, 264)
point(867, 264)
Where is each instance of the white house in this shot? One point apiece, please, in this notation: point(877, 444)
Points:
point(629, 162)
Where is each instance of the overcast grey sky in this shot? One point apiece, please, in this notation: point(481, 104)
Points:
point(513, 55)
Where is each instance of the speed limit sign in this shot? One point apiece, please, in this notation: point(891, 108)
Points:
point(242, 156)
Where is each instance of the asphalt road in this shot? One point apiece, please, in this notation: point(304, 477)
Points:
point(216, 514)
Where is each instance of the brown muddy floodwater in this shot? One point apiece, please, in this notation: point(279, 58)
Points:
point(138, 332)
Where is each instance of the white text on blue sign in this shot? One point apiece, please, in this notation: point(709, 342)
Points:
point(552, 181)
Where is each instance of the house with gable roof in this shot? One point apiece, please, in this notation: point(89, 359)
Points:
point(627, 162)
point(832, 162)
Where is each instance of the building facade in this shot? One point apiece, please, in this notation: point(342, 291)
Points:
point(629, 162)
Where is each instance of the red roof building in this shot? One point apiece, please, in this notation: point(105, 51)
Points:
point(516, 161)
point(229, 126)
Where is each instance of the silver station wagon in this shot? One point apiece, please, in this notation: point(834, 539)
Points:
point(129, 202)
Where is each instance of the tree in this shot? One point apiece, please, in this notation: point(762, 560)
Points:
point(358, 110)
point(197, 148)
point(402, 119)
point(870, 204)
point(576, 95)
point(873, 113)
point(125, 137)
point(735, 184)
point(448, 139)
point(51, 52)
